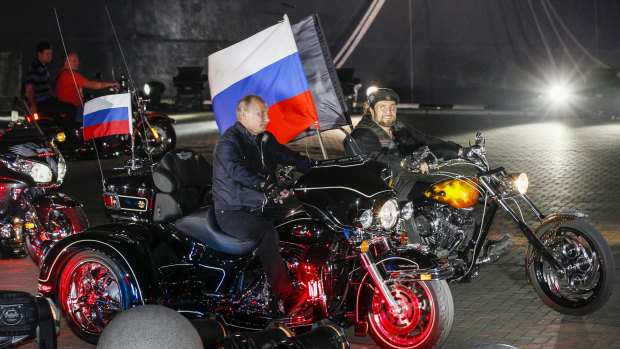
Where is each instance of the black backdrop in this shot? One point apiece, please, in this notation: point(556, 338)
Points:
point(486, 52)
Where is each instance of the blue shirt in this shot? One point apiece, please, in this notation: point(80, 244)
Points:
point(38, 76)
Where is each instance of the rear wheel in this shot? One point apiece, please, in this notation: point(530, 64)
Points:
point(425, 319)
point(92, 292)
point(588, 281)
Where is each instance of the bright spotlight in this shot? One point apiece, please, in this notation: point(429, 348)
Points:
point(559, 94)
point(370, 90)
point(147, 89)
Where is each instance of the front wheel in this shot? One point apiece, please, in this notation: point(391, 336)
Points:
point(588, 280)
point(92, 292)
point(425, 318)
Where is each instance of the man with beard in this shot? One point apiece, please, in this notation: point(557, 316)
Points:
point(382, 138)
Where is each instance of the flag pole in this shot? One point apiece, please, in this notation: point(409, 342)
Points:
point(317, 127)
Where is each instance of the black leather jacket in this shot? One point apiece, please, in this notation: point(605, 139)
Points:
point(239, 169)
point(377, 144)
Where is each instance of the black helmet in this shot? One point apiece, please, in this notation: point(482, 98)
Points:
point(382, 94)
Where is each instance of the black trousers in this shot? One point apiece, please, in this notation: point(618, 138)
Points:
point(254, 227)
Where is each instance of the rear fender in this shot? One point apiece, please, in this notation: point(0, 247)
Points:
point(142, 249)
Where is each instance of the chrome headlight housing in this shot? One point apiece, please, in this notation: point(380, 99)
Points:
point(522, 183)
point(366, 219)
point(406, 212)
point(40, 173)
point(388, 215)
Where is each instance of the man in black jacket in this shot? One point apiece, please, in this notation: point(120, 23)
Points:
point(244, 182)
point(382, 138)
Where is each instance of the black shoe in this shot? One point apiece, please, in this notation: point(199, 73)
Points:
point(292, 303)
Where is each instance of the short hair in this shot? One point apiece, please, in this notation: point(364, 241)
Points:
point(245, 102)
point(42, 46)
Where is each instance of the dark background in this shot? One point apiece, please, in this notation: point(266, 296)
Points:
point(486, 52)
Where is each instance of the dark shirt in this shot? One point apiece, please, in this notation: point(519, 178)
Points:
point(239, 169)
point(39, 77)
point(375, 142)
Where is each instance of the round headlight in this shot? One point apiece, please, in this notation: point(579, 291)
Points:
point(39, 172)
point(366, 219)
point(407, 211)
point(522, 183)
point(388, 215)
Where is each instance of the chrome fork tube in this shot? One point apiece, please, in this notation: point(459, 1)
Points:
point(378, 280)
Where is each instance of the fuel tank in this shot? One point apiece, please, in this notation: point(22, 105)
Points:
point(458, 193)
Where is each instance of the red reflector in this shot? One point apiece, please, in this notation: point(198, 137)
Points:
point(108, 200)
point(46, 288)
point(45, 154)
point(28, 119)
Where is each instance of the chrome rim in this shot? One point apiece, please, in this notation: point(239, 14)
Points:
point(93, 296)
point(413, 324)
point(583, 270)
point(59, 225)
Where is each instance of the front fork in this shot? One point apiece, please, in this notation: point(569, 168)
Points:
point(527, 231)
point(375, 274)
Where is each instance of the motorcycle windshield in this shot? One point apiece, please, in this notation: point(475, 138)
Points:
point(341, 188)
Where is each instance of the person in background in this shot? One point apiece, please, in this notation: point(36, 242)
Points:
point(38, 90)
point(70, 83)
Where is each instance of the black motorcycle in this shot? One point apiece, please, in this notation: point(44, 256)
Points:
point(341, 240)
point(568, 261)
point(32, 213)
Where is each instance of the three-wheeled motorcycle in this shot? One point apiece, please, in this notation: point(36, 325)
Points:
point(341, 240)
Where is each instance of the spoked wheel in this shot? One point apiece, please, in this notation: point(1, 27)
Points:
point(423, 321)
point(588, 281)
point(162, 140)
point(92, 293)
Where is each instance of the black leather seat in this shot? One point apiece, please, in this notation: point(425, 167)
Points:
point(201, 225)
point(183, 179)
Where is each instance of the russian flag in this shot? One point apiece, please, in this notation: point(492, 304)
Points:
point(107, 115)
point(266, 64)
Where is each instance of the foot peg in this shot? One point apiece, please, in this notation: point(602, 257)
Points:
point(493, 249)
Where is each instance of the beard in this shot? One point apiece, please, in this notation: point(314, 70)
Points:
point(386, 123)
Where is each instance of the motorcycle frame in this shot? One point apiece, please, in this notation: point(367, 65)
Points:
point(498, 201)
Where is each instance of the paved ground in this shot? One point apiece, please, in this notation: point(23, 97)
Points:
point(571, 164)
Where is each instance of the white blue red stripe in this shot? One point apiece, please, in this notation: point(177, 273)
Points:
point(107, 115)
point(268, 65)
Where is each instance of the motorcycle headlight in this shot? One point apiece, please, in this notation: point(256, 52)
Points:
point(39, 172)
point(522, 183)
point(366, 219)
point(407, 211)
point(388, 215)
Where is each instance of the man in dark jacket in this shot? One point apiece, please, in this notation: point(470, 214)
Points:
point(244, 182)
point(382, 138)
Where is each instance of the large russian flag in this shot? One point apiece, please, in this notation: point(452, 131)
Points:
point(266, 64)
point(107, 115)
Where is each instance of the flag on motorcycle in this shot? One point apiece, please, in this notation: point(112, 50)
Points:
point(107, 115)
point(266, 64)
point(321, 74)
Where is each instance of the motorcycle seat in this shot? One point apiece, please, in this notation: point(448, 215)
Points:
point(201, 225)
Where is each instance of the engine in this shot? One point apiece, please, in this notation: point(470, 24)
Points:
point(443, 228)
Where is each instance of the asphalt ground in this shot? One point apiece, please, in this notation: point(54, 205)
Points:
point(571, 163)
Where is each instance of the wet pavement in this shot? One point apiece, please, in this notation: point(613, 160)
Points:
point(571, 163)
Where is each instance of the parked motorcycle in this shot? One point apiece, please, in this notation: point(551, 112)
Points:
point(341, 240)
point(568, 261)
point(32, 213)
point(153, 132)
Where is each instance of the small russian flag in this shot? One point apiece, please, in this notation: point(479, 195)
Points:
point(266, 64)
point(107, 115)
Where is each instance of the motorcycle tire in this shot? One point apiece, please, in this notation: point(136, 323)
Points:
point(576, 242)
point(92, 291)
point(426, 319)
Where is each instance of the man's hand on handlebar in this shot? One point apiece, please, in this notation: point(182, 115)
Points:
point(274, 192)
